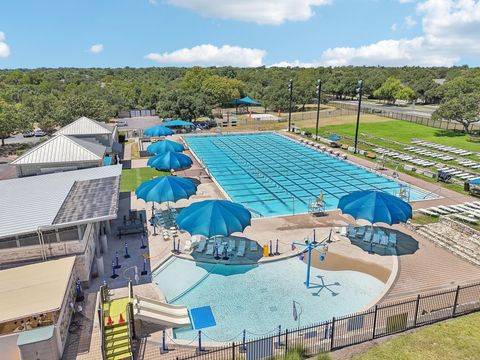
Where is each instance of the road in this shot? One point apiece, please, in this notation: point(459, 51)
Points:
point(425, 111)
point(143, 122)
point(19, 139)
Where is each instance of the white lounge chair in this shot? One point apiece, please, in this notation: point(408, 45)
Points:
point(428, 212)
point(187, 246)
point(361, 231)
point(351, 231)
point(384, 240)
point(368, 236)
point(241, 248)
point(392, 239)
point(210, 249)
point(201, 246)
point(465, 218)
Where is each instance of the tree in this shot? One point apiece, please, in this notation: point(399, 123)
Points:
point(463, 109)
point(392, 90)
point(8, 119)
point(405, 93)
point(388, 90)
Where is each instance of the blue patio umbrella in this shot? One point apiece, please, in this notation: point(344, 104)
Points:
point(169, 161)
point(375, 206)
point(177, 123)
point(164, 146)
point(158, 130)
point(214, 218)
point(166, 188)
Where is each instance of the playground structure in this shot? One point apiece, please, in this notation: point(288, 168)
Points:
point(320, 247)
point(160, 313)
point(117, 320)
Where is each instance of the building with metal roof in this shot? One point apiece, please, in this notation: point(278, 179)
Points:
point(88, 128)
point(60, 153)
point(57, 215)
point(36, 309)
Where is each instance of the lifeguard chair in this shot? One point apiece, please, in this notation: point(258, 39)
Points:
point(317, 206)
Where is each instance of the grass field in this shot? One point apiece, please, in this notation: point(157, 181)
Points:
point(401, 131)
point(131, 178)
point(450, 340)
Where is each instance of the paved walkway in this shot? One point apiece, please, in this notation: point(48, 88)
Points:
point(429, 268)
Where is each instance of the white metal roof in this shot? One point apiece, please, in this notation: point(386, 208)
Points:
point(31, 202)
point(86, 126)
point(34, 289)
point(61, 149)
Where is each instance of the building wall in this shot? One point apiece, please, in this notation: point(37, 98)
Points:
point(9, 348)
point(40, 169)
point(84, 250)
point(44, 350)
point(66, 312)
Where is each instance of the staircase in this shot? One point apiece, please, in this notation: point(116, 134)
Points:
point(467, 247)
point(117, 343)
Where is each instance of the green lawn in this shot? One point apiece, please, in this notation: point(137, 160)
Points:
point(450, 340)
point(403, 131)
point(131, 178)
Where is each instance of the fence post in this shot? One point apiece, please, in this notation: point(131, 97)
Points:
point(233, 350)
point(332, 330)
point(416, 311)
point(286, 340)
point(375, 322)
point(456, 301)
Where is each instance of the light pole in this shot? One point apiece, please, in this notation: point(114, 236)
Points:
point(359, 93)
point(319, 94)
point(290, 90)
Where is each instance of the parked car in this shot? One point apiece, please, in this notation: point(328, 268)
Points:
point(121, 123)
point(39, 133)
point(28, 134)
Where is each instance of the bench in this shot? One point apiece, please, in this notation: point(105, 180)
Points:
point(128, 230)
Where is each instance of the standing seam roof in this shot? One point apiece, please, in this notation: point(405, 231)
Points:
point(59, 149)
point(86, 126)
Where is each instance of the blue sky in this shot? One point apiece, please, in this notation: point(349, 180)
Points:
point(139, 33)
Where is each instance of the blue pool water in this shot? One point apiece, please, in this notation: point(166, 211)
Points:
point(259, 298)
point(273, 175)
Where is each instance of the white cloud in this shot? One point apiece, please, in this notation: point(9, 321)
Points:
point(96, 49)
point(152, 2)
point(409, 22)
point(272, 12)
point(4, 48)
point(394, 27)
point(450, 32)
point(210, 55)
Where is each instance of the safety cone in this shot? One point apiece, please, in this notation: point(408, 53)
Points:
point(109, 321)
point(121, 320)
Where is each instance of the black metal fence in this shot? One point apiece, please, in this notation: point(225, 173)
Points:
point(381, 320)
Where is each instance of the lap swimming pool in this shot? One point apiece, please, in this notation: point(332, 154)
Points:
point(258, 298)
point(272, 175)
